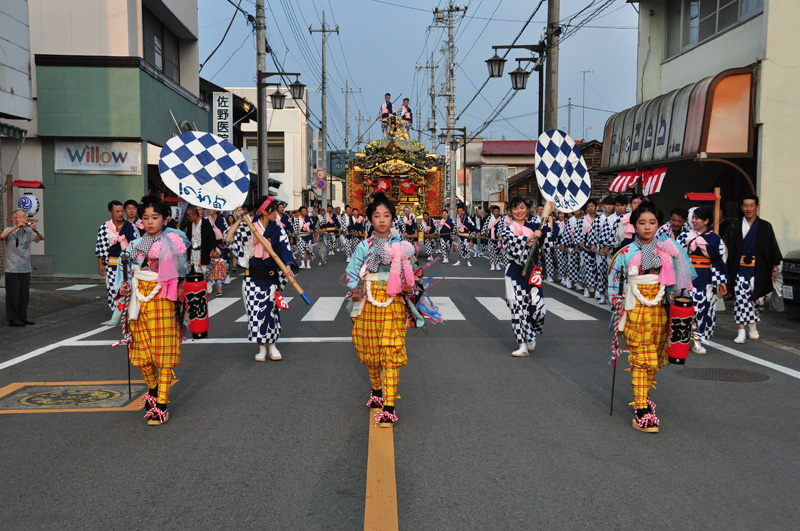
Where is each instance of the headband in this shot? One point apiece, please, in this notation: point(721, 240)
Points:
point(264, 205)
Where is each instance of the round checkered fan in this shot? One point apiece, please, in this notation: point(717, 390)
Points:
point(561, 171)
point(205, 170)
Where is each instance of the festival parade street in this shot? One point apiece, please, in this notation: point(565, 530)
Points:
point(384, 265)
point(484, 440)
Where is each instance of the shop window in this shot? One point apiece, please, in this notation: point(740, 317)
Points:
point(692, 22)
point(161, 46)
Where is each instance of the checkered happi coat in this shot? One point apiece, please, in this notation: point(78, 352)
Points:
point(524, 300)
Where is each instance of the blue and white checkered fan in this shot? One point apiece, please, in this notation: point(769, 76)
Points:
point(561, 171)
point(205, 170)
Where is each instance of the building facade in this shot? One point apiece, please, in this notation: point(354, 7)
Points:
point(722, 77)
point(289, 146)
point(112, 81)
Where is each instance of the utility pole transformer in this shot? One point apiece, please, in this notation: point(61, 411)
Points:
point(431, 126)
point(261, 96)
point(347, 91)
point(553, 33)
point(324, 132)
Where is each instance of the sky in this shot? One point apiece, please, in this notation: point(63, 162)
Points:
point(381, 43)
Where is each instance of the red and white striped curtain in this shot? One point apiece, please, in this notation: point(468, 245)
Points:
point(651, 180)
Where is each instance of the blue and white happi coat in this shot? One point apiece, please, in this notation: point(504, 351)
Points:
point(525, 301)
point(708, 280)
point(109, 247)
point(259, 294)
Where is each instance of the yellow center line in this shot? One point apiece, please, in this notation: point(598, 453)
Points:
point(380, 509)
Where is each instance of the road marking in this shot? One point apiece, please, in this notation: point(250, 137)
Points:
point(380, 506)
point(220, 303)
point(77, 287)
point(325, 309)
point(448, 309)
point(243, 319)
point(758, 361)
point(748, 357)
point(568, 313)
point(467, 278)
point(48, 348)
point(497, 306)
point(215, 340)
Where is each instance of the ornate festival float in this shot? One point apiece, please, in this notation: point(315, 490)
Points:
point(399, 167)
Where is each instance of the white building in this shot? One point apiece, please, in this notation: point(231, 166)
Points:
point(289, 146)
point(717, 86)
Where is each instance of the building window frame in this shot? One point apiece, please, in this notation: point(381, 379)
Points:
point(161, 48)
point(690, 17)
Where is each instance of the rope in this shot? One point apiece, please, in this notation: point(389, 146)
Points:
point(127, 337)
point(616, 350)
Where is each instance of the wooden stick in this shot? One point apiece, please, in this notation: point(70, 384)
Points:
point(281, 265)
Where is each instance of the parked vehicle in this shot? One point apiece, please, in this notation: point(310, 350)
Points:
point(791, 277)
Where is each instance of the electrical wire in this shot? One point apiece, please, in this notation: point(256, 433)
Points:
point(235, 12)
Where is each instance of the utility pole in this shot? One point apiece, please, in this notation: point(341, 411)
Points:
point(261, 96)
point(553, 33)
point(324, 132)
point(442, 17)
point(432, 93)
point(347, 91)
point(358, 139)
point(583, 102)
point(569, 117)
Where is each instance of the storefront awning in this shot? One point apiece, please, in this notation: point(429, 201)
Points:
point(27, 184)
point(712, 118)
point(12, 131)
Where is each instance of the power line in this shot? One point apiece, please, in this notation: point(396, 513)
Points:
point(235, 12)
point(504, 56)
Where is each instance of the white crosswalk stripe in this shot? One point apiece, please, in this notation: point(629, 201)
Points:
point(448, 309)
point(497, 306)
point(77, 287)
point(324, 309)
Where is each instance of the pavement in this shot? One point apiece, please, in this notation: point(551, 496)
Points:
point(484, 440)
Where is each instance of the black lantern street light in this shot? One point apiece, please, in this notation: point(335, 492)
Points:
point(453, 148)
point(519, 77)
point(277, 99)
point(496, 65)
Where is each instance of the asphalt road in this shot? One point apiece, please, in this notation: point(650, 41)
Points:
point(484, 440)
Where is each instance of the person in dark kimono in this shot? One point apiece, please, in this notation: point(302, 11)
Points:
point(753, 260)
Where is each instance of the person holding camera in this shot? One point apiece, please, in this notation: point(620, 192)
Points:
point(753, 260)
point(18, 238)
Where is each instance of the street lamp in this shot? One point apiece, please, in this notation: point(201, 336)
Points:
point(297, 90)
point(519, 77)
point(496, 65)
point(442, 138)
point(277, 99)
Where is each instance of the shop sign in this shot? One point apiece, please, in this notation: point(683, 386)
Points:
point(119, 158)
point(223, 115)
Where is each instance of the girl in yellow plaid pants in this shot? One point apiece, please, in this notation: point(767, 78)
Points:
point(159, 260)
point(379, 319)
point(652, 271)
